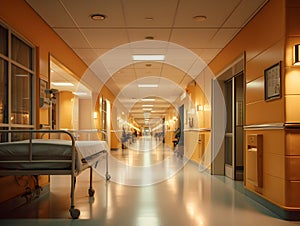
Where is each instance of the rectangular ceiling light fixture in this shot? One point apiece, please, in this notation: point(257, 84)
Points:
point(147, 85)
point(147, 105)
point(148, 99)
point(148, 57)
point(62, 84)
point(80, 93)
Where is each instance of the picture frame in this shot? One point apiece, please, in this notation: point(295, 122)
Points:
point(272, 77)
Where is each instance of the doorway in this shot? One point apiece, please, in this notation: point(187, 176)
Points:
point(181, 126)
point(234, 136)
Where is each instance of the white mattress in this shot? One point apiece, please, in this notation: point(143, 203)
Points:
point(52, 149)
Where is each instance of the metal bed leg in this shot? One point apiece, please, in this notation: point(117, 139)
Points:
point(74, 212)
point(107, 176)
point(91, 190)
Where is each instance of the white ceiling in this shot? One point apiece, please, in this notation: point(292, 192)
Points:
point(127, 21)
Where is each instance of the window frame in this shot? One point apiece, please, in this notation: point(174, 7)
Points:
point(32, 72)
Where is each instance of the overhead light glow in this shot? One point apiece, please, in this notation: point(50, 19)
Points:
point(80, 93)
point(148, 57)
point(148, 99)
point(147, 105)
point(147, 85)
point(62, 84)
point(147, 109)
point(157, 111)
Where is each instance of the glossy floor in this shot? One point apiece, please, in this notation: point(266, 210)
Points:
point(190, 197)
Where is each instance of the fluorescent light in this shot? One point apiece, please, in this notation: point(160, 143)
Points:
point(148, 57)
point(158, 111)
point(148, 99)
point(95, 115)
point(147, 85)
point(80, 93)
point(147, 109)
point(147, 105)
point(62, 84)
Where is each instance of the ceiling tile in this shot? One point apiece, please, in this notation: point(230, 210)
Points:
point(216, 12)
point(193, 38)
point(172, 73)
point(81, 11)
point(148, 65)
point(73, 37)
point(136, 12)
point(105, 38)
point(147, 72)
point(162, 34)
point(53, 12)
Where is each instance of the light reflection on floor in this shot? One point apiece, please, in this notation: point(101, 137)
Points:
point(144, 151)
point(190, 197)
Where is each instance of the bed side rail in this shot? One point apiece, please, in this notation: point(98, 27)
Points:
point(32, 134)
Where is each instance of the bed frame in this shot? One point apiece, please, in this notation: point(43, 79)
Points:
point(30, 162)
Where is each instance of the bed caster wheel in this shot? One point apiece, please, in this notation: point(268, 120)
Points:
point(74, 213)
point(91, 192)
point(107, 177)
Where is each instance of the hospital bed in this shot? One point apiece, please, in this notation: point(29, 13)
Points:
point(38, 154)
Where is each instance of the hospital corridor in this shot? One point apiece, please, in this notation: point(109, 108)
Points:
point(159, 113)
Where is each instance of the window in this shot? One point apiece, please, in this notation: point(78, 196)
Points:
point(16, 81)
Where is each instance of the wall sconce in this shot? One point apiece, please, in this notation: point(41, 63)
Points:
point(296, 60)
point(95, 115)
point(199, 107)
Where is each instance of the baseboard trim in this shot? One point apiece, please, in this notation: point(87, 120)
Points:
point(291, 215)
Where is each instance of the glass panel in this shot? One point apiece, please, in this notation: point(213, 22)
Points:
point(228, 138)
point(3, 41)
point(3, 136)
point(21, 96)
point(228, 150)
point(21, 52)
point(3, 92)
point(228, 99)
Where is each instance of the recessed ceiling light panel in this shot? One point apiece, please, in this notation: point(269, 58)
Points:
point(62, 83)
point(147, 85)
point(148, 99)
point(148, 57)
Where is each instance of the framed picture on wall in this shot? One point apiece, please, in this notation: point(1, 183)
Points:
point(273, 82)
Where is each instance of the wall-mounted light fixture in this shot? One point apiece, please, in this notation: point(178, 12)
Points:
point(199, 107)
point(95, 115)
point(296, 60)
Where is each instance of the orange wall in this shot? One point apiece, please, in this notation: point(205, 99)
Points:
point(292, 109)
point(66, 106)
point(197, 139)
point(263, 40)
